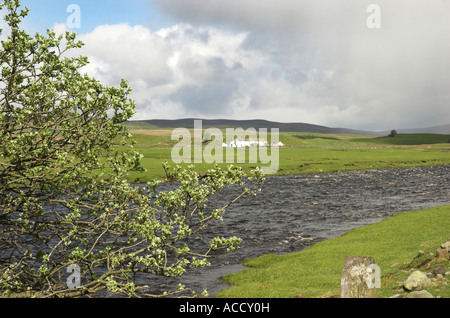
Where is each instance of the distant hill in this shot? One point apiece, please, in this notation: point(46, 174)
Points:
point(257, 124)
point(442, 129)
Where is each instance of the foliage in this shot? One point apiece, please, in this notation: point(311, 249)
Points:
point(393, 133)
point(57, 208)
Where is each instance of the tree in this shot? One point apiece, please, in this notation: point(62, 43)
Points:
point(393, 133)
point(65, 202)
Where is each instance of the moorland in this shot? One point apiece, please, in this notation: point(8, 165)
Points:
point(305, 152)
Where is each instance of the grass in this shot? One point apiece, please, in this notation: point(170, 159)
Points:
point(394, 244)
point(409, 139)
point(306, 153)
point(316, 272)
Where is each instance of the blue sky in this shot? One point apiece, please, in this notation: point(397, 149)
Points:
point(44, 13)
point(307, 61)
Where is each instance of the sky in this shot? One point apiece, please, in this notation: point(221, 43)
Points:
point(361, 64)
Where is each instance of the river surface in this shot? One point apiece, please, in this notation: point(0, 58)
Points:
point(292, 212)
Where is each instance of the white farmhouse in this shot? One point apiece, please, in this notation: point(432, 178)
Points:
point(237, 143)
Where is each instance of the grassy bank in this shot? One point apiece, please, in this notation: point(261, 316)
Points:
point(306, 153)
point(394, 244)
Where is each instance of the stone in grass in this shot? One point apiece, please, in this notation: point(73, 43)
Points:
point(439, 270)
point(420, 294)
point(417, 280)
point(442, 253)
point(446, 245)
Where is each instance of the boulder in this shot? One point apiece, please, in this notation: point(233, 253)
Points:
point(358, 278)
point(442, 253)
point(439, 270)
point(446, 245)
point(417, 280)
point(420, 294)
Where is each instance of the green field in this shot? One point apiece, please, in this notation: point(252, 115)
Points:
point(307, 153)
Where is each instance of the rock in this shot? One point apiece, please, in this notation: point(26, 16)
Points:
point(446, 245)
point(420, 294)
point(442, 253)
point(439, 270)
point(397, 296)
point(356, 281)
point(417, 280)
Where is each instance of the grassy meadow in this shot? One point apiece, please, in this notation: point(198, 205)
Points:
point(307, 153)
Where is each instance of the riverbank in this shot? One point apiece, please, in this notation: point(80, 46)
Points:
point(343, 182)
point(294, 212)
point(399, 245)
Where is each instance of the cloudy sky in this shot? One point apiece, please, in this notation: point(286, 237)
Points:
point(312, 61)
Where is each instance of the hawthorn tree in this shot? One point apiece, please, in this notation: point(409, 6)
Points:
point(65, 202)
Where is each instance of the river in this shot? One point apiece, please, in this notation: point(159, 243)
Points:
point(292, 212)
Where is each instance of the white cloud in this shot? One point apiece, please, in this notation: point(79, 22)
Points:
point(175, 72)
point(321, 53)
point(292, 61)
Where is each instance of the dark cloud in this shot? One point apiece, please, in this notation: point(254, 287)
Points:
point(331, 64)
point(207, 100)
point(286, 60)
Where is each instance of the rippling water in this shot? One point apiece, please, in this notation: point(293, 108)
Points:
point(292, 212)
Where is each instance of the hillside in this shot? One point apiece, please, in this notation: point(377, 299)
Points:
point(443, 130)
point(257, 124)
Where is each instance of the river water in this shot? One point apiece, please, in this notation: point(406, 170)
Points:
point(292, 212)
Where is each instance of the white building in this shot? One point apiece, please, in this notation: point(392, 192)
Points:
point(250, 143)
